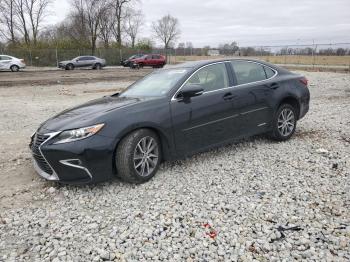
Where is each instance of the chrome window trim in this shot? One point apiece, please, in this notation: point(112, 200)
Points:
point(222, 62)
point(67, 163)
point(54, 176)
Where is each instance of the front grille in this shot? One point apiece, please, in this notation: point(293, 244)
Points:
point(37, 141)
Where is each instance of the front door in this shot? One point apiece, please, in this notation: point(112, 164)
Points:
point(207, 119)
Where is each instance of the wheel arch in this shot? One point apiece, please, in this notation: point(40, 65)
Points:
point(70, 64)
point(293, 101)
point(164, 139)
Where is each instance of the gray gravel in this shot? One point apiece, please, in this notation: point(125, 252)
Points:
point(255, 199)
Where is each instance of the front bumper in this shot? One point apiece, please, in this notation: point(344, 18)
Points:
point(86, 161)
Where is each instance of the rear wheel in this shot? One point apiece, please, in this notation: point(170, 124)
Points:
point(138, 156)
point(14, 68)
point(284, 123)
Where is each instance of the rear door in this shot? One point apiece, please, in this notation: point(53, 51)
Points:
point(1, 63)
point(5, 62)
point(156, 60)
point(207, 119)
point(149, 60)
point(253, 95)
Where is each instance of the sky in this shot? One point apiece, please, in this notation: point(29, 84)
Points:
point(248, 22)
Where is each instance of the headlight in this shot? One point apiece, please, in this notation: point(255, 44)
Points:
point(78, 134)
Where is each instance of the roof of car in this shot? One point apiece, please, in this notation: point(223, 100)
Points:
point(197, 64)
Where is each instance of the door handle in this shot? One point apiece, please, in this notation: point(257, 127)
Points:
point(274, 86)
point(228, 96)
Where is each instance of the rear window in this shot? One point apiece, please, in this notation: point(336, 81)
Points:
point(248, 72)
point(269, 72)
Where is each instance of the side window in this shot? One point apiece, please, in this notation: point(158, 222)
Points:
point(247, 72)
point(269, 72)
point(5, 58)
point(211, 77)
point(85, 58)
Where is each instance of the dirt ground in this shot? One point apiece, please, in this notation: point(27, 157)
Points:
point(29, 98)
point(53, 76)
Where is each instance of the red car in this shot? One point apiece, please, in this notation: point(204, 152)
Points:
point(156, 61)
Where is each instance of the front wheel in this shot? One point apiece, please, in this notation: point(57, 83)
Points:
point(138, 156)
point(284, 123)
point(97, 66)
point(70, 67)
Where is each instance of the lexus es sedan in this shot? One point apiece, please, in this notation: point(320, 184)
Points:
point(169, 114)
point(83, 61)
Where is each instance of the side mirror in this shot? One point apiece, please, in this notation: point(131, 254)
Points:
point(191, 90)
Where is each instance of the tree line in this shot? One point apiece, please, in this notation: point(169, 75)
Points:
point(89, 24)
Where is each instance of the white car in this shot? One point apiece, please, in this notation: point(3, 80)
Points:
point(11, 63)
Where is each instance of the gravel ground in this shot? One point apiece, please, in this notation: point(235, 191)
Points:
point(255, 199)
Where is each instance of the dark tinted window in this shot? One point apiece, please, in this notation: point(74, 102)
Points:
point(247, 72)
point(210, 78)
point(86, 58)
point(269, 72)
point(156, 57)
point(156, 84)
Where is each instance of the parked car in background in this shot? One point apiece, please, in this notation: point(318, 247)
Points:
point(171, 113)
point(153, 60)
point(83, 61)
point(127, 62)
point(11, 63)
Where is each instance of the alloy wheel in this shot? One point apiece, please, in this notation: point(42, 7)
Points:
point(146, 156)
point(286, 122)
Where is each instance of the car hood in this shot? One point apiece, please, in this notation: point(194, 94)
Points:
point(64, 62)
point(85, 114)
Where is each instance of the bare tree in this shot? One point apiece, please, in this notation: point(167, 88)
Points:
point(36, 11)
point(167, 30)
point(120, 8)
point(21, 14)
point(107, 26)
point(91, 13)
point(8, 20)
point(133, 23)
point(29, 16)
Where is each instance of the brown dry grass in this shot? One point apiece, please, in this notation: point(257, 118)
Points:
point(291, 59)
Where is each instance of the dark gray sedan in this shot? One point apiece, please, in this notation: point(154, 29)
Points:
point(169, 114)
point(83, 61)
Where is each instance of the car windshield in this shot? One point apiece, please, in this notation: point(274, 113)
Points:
point(156, 84)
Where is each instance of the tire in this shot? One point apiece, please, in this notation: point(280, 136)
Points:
point(132, 165)
point(284, 123)
point(14, 68)
point(70, 67)
point(98, 66)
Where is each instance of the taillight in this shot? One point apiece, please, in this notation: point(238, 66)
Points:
point(304, 81)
